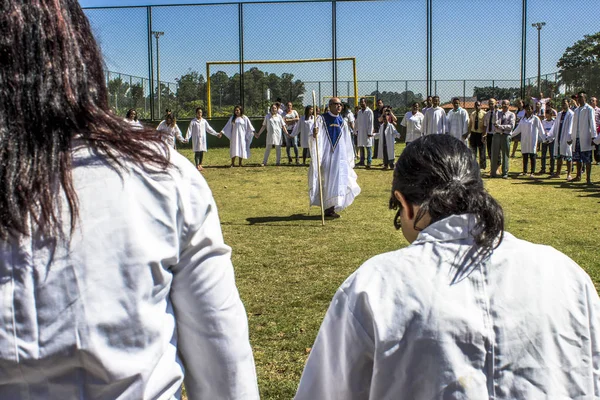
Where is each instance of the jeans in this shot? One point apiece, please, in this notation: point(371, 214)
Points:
point(288, 144)
point(268, 151)
point(526, 158)
point(477, 146)
point(547, 147)
point(369, 155)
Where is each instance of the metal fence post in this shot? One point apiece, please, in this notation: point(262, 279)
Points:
point(464, 91)
point(150, 61)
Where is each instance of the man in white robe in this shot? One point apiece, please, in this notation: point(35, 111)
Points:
point(435, 122)
point(561, 137)
point(364, 133)
point(458, 121)
point(336, 155)
point(386, 136)
point(584, 132)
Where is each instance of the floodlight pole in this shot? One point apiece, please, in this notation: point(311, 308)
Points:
point(539, 26)
point(157, 35)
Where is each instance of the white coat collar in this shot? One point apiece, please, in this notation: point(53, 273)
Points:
point(454, 227)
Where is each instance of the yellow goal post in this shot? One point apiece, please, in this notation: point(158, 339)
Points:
point(345, 99)
point(210, 63)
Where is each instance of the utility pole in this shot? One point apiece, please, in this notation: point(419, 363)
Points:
point(157, 35)
point(539, 26)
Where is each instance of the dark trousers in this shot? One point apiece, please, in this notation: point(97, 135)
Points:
point(526, 158)
point(305, 155)
point(198, 155)
point(547, 148)
point(488, 144)
point(477, 146)
point(597, 153)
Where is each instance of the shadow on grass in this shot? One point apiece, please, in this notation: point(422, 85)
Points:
point(283, 218)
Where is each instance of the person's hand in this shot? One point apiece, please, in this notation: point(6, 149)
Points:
point(315, 132)
point(220, 135)
point(483, 139)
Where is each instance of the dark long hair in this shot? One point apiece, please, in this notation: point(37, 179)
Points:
point(440, 174)
point(307, 111)
point(51, 90)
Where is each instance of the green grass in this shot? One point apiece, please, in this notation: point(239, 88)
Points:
point(288, 266)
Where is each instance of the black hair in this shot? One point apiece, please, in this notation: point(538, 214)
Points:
point(53, 89)
point(306, 111)
point(454, 99)
point(198, 109)
point(241, 111)
point(435, 97)
point(130, 113)
point(440, 175)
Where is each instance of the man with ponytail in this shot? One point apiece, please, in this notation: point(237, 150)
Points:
point(466, 311)
point(115, 280)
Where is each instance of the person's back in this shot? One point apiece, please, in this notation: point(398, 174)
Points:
point(465, 311)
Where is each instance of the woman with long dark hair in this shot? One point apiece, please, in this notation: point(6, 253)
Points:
point(239, 131)
point(114, 276)
point(465, 311)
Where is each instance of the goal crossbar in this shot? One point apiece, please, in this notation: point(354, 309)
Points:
point(209, 63)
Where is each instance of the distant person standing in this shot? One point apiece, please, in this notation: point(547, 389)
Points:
point(584, 131)
point(239, 131)
point(504, 125)
point(275, 126)
point(561, 136)
point(387, 135)
point(365, 127)
point(132, 118)
point(413, 122)
point(458, 121)
point(489, 123)
point(477, 130)
point(532, 132)
point(594, 105)
point(170, 130)
point(377, 113)
point(519, 114)
point(197, 131)
point(428, 104)
point(304, 129)
point(435, 121)
point(291, 118)
point(547, 146)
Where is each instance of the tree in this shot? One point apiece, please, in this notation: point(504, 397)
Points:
point(579, 66)
point(399, 101)
point(488, 92)
point(191, 91)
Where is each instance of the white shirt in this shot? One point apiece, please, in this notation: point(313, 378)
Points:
point(197, 132)
point(417, 323)
point(458, 123)
point(413, 124)
point(364, 127)
point(435, 121)
point(144, 295)
point(531, 130)
point(170, 133)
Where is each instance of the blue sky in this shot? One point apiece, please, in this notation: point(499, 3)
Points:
point(473, 39)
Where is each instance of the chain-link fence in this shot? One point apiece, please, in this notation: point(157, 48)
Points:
point(219, 55)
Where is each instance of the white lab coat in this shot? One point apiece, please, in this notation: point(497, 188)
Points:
point(337, 170)
point(304, 128)
point(435, 121)
point(274, 126)
point(584, 127)
point(364, 128)
point(197, 132)
point(458, 123)
point(421, 323)
point(562, 147)
point(170, 134)
point(531, 130)
point(413, 124)
point(141, 296)
point(240, 133)
point(390, 132)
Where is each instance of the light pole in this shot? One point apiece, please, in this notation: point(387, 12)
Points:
point(158, 34)
point(539, 26)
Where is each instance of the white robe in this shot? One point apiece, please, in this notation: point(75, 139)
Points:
point(414, 125)
point(562, 148)
point(304, 128)
point(364, 128)
point(531, 130)
point(240, 134)
point(197, 132)
point(170, 133)
point(458, 123)
point(134, 123)
point(584, 127)
point(274, 125)
point(435, 121)
point(390, 133)
point(337, 170)
point(420, 323)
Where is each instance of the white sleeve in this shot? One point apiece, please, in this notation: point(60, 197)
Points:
point(188, 134)
point(340, 364)
point(209, 129)
point(403, 122)
point(212, 324)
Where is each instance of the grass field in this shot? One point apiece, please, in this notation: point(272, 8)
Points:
point(288, 266)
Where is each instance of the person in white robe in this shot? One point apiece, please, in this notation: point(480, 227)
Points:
point(304, 129)
point(466, 311)
point(239, 131)
point(387, 135)
point(275, 125)
point(170, 130)
point(413, 122)
point(336, 156)
point(132, 119)
point(531, 129)
point(458, 121)
point(560, 135)
point(584, 132)
point(435, 121)
point(364, 131)
point(197, 131)
point(547, 147)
